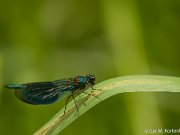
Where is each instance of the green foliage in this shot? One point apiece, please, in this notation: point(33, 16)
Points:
point(49, 40)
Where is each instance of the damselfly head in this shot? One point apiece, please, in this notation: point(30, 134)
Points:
point(91, 79)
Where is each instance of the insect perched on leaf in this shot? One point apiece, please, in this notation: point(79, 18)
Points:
point(40, 93)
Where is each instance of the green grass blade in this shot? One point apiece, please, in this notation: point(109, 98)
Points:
point(139, 83)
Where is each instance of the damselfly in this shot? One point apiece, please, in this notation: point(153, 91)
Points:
point(40, 93)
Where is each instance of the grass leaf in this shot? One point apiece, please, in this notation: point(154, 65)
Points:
point(139, 83)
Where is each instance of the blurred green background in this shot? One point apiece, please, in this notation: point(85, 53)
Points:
point(51, 39)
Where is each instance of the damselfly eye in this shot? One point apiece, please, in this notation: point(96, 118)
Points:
point(91, 79)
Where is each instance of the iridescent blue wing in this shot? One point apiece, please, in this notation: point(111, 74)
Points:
point(41, 92)
point(37, 93)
